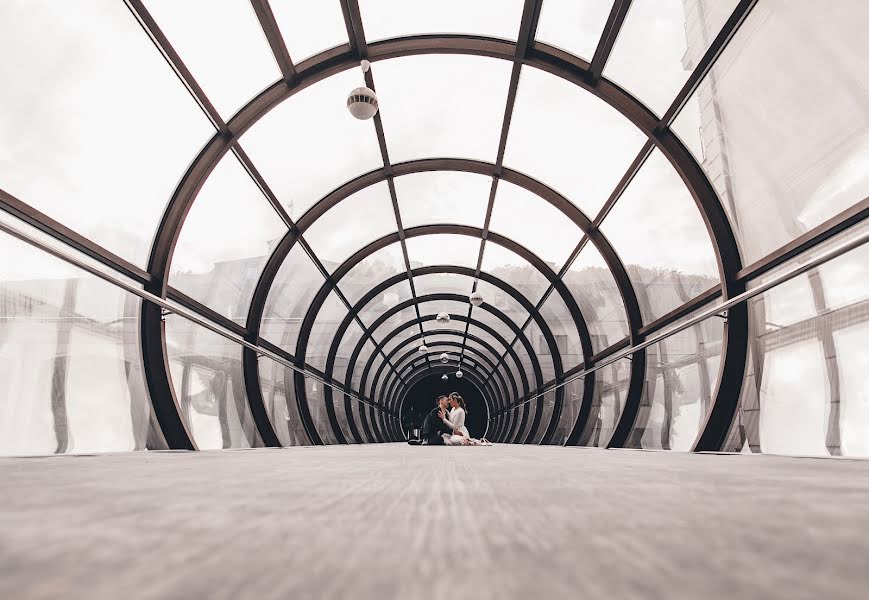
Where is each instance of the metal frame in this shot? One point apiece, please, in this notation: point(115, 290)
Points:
point(525, 51)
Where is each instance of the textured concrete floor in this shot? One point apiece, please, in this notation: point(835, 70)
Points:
point(393, 521)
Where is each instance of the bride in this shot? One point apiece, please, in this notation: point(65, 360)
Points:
point(456, 421)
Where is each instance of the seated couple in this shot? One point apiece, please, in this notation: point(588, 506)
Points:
point(445, 424)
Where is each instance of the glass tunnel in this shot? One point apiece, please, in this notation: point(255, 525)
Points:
point(661, 205)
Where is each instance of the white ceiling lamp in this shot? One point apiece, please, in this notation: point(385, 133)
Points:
point(445, 376)
point(445, 357)
point(459, 374)
point(362, 101)
point(443, 318)
point(476, 298)
point(423, 349)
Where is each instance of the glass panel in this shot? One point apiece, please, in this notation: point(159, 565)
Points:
point(452, 308)
point(443, 249)
point(680, 382)
point(341, 415)
point(403, 316)
point(548, 405)
point(345, 347)
point(321, 28)
point(209, 385)
point(230, 74)
point(651, 57)
point(361, 361)
point(785, 156)
point(373, 270)
point(573, 392)
point(498, 298)
point(310, 144)
point(70, 365)
point(369, 382)
point(317, 406)
point(386, 300)
point(297, 282)
point(804, 387)
point(384, 19)
point(515, 270)
point(352, 224)
point(442, 105)
point(443, 283)
point(569, 139)
point(594, 288)
point(481, 315)
point(563, 328)
point(94, 117)
point(279, 396)
point(657, 230)
point(610, 391)
point(225, 241)
point(323, 331)
point(443, 197)
point(573, 26)
point(552, 237)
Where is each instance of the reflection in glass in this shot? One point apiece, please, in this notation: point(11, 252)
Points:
point(279, 397)
point(295, 285)
point(371, 271)
point(71, 376)
point(207, 377)
point(610, 392)
point(681, 378)
point(803, 392)
point(594, 288)
point(785, 157)
point(657, 230)
point(659, 45)
point(508, 266)
point(323, 331)
point(225, 241)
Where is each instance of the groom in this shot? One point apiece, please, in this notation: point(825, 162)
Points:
point(433, 426)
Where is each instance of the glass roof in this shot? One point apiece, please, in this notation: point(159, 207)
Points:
point(197, 164)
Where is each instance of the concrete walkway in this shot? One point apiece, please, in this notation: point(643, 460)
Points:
point(391, 521)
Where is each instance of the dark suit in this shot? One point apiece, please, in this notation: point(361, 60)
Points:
point(433, 427)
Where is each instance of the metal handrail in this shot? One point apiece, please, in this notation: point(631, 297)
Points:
point(707, 313)
point(173, 308)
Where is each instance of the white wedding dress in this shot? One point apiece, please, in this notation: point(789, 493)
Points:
point(456, 421)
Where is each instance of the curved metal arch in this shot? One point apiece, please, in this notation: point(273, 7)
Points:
point(401, 392)
point(339, 59)
point(413, 323)
point(417, 375)
point(535, 364)
point(435, 269)
point(483, 343)
point(521, 251)
point(479, 357)
point(373, 293)
point(412, 355)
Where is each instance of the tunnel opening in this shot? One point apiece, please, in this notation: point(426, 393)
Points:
point(420, 399)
